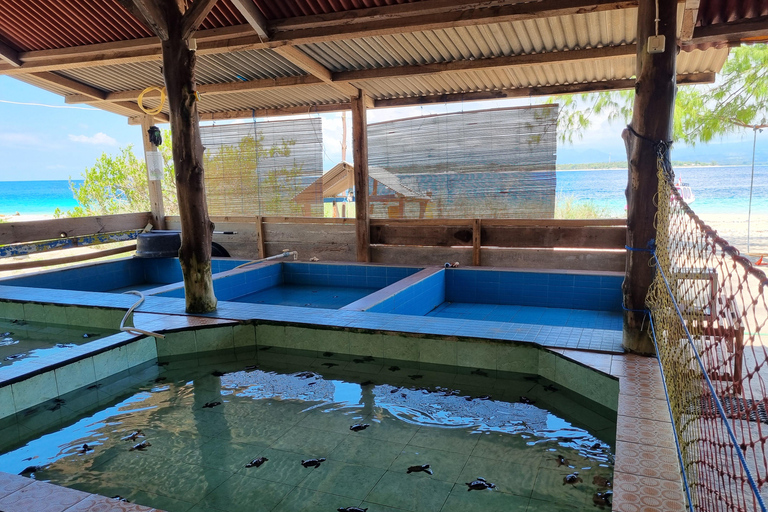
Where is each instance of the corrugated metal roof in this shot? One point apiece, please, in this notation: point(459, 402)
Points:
point(291, 8)
point(714, 12)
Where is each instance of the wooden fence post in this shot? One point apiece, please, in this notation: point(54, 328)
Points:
point(360, 152)
point(154, 176)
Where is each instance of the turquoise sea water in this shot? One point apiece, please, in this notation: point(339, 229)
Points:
point(717, 189)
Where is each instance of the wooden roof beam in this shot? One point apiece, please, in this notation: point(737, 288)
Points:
point(734, 32)
point(311, 66)
point(194, 16)
point(690, 14)
point(9, 55)
point(253, 16)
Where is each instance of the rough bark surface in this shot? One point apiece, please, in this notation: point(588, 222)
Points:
point(651, 121)
point(196, 226)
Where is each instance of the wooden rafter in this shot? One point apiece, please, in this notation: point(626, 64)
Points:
point(9, 55)
point(253, 16)
point(194, 16)
point(690, 14)
point(314, 68)
point(149, 13)
point(751, 28)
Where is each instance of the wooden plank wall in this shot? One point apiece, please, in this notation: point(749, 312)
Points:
point(53, 229)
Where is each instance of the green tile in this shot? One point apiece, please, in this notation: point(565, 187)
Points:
point(34, 312)
point(437, 351)
point(78, 315)
point(517, 358)
point(176, 343)
point(587, 382)
point(415, 492)
point(386, 427)
point(240, 494)
point(35, 390)
point(549, 487)
point(508, 448)
point(300, 338)
point(111, 362)
point(367, 451)
point(141, 351)
point(7, 408)
point(271, 335)
point(446, 466)
point(216, 338)
point(12, 310)
point(244, 335)
point(75, 375)
point(509, 477)
point(344, 479)
point(307, 500)
point(363, 344)
point(476, 354)
point(488, 500)
point(55, 314)
point(401, 348)
point(449, 440)
point(319, 443)
point(331, 340)
point(547, 362)
point(157, 501)
point(332, 420)
point(225, 455)
point(551, 506)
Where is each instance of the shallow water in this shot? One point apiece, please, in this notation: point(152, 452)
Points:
point(22, 341)
point(308, 296)
point(290, 408)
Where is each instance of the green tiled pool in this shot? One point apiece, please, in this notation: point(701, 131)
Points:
point(206, 421)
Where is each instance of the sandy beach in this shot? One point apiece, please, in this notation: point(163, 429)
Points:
point(733, 227)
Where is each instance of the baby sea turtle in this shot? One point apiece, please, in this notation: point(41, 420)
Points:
point(140, 446)
point(327, 354)
point(217, 373)
point(133, 436)
point(90, 335)
point(6, 334)
point(550, 387)
point(358, 361)
point(394, 368)
point(562, 461)
point(420, 468)
point(211, 405)
point(602, 482)
point(480, 484)
point(255, 463)
point(117, 497)
point(160, 379)
point(305, 375)
point(595, 446)
point(251, 367)
point(602, 499)
point(330, 365)
point(351, 509)
point(27, 471)
point(312, 463)
point(14, 356)
point(85, 449)
point(357, 427)
point(572, 479)
point(526, 400)
point(64, 345)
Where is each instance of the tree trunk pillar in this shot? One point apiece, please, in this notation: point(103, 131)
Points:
point(360, 154)
point(196, 226)
point(154, 179)
point(651, 122)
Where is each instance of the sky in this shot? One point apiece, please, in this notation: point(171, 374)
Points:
point(42, 138)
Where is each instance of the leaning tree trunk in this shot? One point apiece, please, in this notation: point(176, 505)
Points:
point(651, 122)
point(196, 226)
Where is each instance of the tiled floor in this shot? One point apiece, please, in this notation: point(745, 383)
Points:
point(308, 296)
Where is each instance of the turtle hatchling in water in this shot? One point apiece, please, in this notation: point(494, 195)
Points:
point(602, 499)
point(312, 463)
point(211, 405)
point(351, 509)
point(562, 461)
point(420, 468)
point(141, 446)
point(572, 479)
point(480, 484)
point(358, 427)
point(602, 482)
point(255, 463)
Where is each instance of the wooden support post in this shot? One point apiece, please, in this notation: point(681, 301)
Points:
point(476, 241)
point(154, 180)
point(360, 154)
point(173, 22)
point(260, 234)
point(651, 122)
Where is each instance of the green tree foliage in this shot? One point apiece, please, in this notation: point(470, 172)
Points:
point(738, 99)
point(118, 184)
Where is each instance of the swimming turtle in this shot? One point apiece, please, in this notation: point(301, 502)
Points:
point(327, 354)
point(14, 356)
point(526, 400)
point(217, 373)
point(562, 461)
point(251, 367)
point(480, 484)
point(133, 436)
point(596, 446)
point(305, 375)
point(211, 405)
point(357, 427)
point(90, 335)
point(6, 334)
point(394, 368)
point(572, 479)
point(602, 499)
point(117, 497)
point(357, 361)
point(64, 345)
point(312, 463)
point(351, 509)
point(160, 379)
point(255, 463)
point(140, 446)
point(27, 471)
point(602, 482)
point(330, 365)
point(424, 468)
point(85, 449)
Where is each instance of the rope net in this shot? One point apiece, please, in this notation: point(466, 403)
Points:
point(709, 312)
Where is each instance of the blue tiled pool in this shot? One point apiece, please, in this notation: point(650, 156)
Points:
point(115, 276)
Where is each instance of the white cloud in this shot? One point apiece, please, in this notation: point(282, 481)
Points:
point(98, 139)
point(22, 139)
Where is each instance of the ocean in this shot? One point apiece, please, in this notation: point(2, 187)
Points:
point(718, 190)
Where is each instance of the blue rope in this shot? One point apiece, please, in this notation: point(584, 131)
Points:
point(672, 418)
point(639, 250)
point(720, 409)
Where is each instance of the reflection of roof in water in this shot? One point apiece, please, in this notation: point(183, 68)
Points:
point(260, 384)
